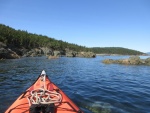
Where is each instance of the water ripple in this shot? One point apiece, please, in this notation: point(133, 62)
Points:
point(95, 87)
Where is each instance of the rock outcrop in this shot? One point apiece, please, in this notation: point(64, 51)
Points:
point(86, 54)
point(70, 53)
point(34, 52)
point(7, 53)
point(54, 55)
point(133, 60)
point(47, 51)
point(13, 53)
point(147, 61)
point(2, 45)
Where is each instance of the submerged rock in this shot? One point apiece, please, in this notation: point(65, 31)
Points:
point(97, 107)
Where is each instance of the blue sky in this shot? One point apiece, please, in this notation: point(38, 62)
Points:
point(91, 23)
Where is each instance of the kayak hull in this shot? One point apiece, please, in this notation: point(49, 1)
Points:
point(21, 105)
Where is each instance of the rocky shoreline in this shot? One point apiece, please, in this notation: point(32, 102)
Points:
point(7, 52)
point(133, 60)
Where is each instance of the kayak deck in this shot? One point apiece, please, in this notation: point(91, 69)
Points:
point(21, 105)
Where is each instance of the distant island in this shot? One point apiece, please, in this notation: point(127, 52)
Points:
point(19, 43)
point(115, 51)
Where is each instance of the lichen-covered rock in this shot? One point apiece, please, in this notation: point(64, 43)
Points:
point(147, 61)
point(34, 52)
point(56, 53)
point(47, 51)
point(52, 57)
point(86, 54)
point(2, 45)
point(8, 54)
point(134, 60)
point(131, 61)
point(108, 61)
point(71, 53)
point(125, 61)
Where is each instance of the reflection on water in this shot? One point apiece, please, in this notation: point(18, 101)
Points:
point(95, 87)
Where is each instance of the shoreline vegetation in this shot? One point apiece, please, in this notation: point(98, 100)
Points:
point(15, 44)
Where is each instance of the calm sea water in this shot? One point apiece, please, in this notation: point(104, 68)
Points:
point(95, 87)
